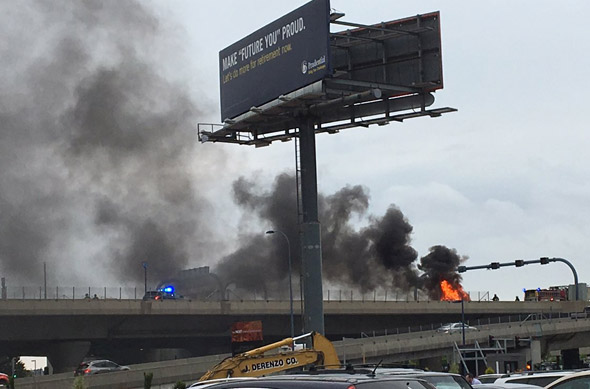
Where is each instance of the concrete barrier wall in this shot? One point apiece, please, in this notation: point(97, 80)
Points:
point(187, 370)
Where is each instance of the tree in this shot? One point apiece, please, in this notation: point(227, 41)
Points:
point(19, 367)
point(147, 380)
point(79, 383)
point(179, 385)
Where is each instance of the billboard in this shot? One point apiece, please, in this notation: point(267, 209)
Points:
point(404, 53)
point(283, 56)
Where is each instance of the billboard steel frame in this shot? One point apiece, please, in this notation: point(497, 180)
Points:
point(374, 74)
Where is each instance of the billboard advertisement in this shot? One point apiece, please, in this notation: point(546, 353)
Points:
point(283, 56)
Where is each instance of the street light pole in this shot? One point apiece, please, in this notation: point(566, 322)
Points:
point(290, 277)
point(522, 262)
point(463, 320)
point(144, 264)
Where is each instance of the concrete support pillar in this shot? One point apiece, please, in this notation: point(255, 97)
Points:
point(536, 352)
point(66, 356)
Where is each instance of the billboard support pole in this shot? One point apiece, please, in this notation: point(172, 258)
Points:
point(311, 251)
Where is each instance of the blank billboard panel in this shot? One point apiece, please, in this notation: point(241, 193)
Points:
point(404, 52)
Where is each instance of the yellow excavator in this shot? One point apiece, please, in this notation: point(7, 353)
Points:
point(254, 363)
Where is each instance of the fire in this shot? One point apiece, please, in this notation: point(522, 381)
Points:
point(449, 293)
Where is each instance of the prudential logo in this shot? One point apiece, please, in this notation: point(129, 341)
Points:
point(304, 67)
point(314, 66)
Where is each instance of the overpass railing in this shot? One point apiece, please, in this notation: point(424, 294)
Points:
point(505, 319)
point(137, 292)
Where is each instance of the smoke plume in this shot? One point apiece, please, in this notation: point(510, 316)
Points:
point(96, 145)
point(97, 168)
point(378, 255)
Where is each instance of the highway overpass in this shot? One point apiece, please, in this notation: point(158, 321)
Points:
point(132, 330)
point(554, 334)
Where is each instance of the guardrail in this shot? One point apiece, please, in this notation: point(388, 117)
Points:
point(505, 319)
point(137, 292)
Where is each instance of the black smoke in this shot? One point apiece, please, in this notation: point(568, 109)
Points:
point(96, 146)
point(440, 264)
point(378, 255)
point(100, 171)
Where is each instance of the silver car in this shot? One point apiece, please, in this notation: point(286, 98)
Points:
point(452, 328)
point(98, 366)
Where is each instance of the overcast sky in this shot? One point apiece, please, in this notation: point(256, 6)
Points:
point(504, 178)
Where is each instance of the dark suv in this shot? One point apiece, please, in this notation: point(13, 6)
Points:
point(325, 382)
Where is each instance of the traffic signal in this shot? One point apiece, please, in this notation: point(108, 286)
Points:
point(519, 263)
point(495, 265)
point(529, 365)
point(544, 260)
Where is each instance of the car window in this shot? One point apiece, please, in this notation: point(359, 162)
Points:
point(540, 380)
point(447, 382)
point(487, 380)
point(110, 364)
point(574, 383)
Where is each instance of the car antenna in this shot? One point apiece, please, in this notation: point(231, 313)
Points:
point(376, 366)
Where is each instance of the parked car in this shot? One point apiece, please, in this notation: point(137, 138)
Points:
point(505, 386)
point(490, 378)
point(452, 328)
point(205, 384)
point(539, 378)
point(438, 380)
point(578, 380)
point(98, 366)
point(325, 382)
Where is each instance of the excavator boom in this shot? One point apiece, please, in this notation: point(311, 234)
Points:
point(254, 363)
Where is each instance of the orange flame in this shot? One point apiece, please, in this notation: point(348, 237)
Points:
point(450, 293)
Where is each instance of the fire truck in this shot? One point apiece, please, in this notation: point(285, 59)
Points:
point(553, 293)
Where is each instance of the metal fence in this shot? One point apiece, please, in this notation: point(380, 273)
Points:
point(73, 293)
point(137, 292)
point(483, 322)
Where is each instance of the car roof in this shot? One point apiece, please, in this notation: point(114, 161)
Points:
point(204, 384)
point(534, 377)
point(566, 377)
point(312, 381)
point(506, 385)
